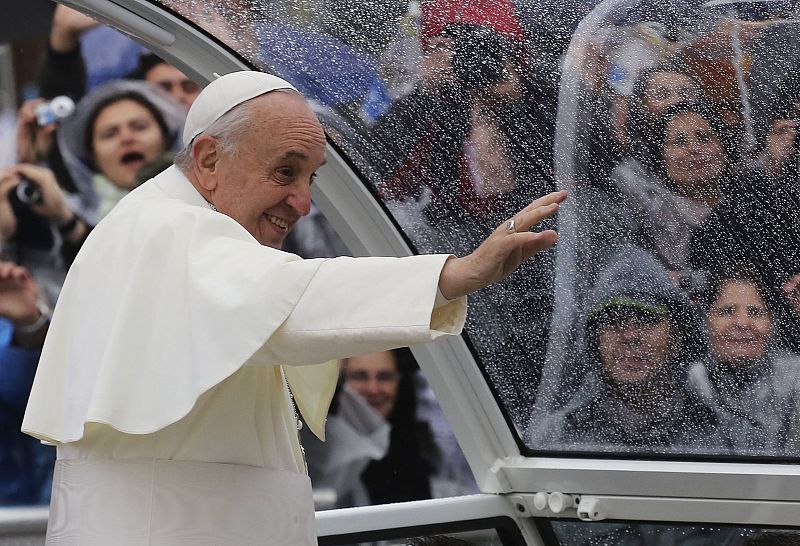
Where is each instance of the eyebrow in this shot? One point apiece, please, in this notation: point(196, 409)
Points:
point(292, 154)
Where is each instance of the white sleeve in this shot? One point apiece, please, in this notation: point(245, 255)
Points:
point(360, 305)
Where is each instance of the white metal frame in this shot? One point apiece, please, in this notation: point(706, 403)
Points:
point(635, 490)
point(429, 512)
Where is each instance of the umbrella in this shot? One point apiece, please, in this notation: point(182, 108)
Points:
point(320, 66)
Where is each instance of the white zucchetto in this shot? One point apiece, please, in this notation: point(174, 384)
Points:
point(223, 94)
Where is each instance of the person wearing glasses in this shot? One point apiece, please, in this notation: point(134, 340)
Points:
point(640, 333)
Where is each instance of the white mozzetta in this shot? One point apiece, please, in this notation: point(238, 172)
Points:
point(168, 298)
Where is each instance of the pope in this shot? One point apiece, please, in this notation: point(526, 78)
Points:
point(184, 341)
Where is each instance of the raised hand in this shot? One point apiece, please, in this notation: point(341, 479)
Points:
point(19, 294)
point(503, 251)
point(67, 27)
point(33, 141)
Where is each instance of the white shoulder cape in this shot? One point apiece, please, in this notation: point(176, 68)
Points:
point(166, 299)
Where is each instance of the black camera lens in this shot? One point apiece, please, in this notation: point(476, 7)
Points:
point(28, 192)
point(480, 55)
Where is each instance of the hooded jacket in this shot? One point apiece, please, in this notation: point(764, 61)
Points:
point(599, 417)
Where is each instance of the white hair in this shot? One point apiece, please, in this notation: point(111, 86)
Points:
point(227, 130)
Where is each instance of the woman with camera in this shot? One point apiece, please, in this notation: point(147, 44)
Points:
point(117, 130)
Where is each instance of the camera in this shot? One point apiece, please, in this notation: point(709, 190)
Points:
point(54, 111)
point(479, 55)
point(28, 192)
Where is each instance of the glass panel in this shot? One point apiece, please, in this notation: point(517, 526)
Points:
point(500, 531)
point(575, 533)
point(675, 308)
point(470, 538)
point(666, 320)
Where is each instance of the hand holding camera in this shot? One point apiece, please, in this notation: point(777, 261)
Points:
point(37, 121)
point(37, 187)
point(54, 111)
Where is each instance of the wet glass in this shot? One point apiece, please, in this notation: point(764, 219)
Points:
point(673, 128)
point(469, 538)
point(575, 533)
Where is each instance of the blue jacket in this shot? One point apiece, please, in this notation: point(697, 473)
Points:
point(26, 466)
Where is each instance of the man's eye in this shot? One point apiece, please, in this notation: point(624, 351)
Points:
point(286, 172)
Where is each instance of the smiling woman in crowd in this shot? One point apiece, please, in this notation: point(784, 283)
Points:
point(693, 162)
point(752, 385)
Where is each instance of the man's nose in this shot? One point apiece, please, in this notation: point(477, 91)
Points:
point(372, 386)
point(300, 200)
point(630, 334)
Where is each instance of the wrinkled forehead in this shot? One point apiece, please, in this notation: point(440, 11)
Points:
point(289, 111)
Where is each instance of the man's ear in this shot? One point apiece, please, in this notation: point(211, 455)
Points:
point(206, 155)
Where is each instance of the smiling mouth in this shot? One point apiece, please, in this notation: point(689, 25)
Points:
point(279, 222)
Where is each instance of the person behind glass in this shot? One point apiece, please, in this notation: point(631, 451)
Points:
point(118, 129)
point(654, 90)
point(693, 164)
point(758, 222)
point(26, 466)
point(386, 381)
point(751, 384)
point(640, 332)
point(466, 142)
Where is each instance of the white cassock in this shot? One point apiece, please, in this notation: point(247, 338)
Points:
point(163, 380)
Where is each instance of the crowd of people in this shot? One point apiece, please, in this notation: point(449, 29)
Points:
point(681, 260)
point(667, 321)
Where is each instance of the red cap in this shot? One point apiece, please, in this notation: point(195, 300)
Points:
point(496, 14)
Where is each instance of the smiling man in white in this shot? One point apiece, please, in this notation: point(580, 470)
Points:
point(183, 333)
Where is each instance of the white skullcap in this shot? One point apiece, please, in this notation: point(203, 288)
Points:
point(223, 94)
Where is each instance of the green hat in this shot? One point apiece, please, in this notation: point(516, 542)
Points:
point(628, 306)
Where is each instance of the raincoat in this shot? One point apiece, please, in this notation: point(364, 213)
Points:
point(667, 417)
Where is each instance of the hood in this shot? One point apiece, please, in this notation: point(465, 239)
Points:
point(70, 135)
point(499, 15)
point(635, 278)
